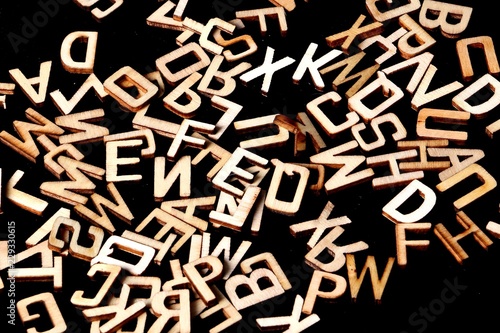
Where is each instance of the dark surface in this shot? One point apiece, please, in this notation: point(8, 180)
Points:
point(126, 40)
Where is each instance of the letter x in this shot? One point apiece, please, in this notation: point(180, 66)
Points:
point(267, 68)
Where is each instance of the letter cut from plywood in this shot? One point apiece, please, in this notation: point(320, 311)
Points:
point(224, 247)
point(442, 116)
point(350, 63)
point(378, 283)
point(111, 272)
point(126, 77)
point(76, 250)
point(390, 210)
point(230, 109)
point(22, 199)
point(191, 48)
point(402, 243)
point(184, 89)
point(488, 184)
point(191, 141)
point(423, 164)
point(184, 209)
point(66, 106)
point(318, 226)
point(218, 23)
point(251, 283)
point(55, 316)
point(301, 127)
point(261, 123)
point(181, 170)
point(481, 103)
point(415, 33)
point(318, 279)
point(160, 19)
point(271, 263)
point(389, 90)
point(397, 178)
point(356, 32)
point(336, 253)
point(145, 253)
point(435, 14)
point(79, 183)
point(224, 78)
point(343, 178)
point(41, 274)
point(200, 283)
point(422, 96)
point(268, 68)
point(291, 323)
point(26, 145)
point(313, 108)
point(399, 134)
point(456, 157)
point(68, 62)
point(307, 64)
point(280, 206)
point(261, 14)
point(395, 10)
point(113, 161)
point(168, 223)
point(251, 46)
point(451, 242)
point(168, 306)
point(28, 85)
point(482, 42)
point(230, 168)
point(118, 207)
point(80, 124)
point(421, 62)
point(238, 213)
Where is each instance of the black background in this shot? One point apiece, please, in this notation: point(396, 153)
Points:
point(126, 40)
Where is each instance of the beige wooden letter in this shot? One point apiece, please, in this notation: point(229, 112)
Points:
point(402, 243)
point(486, 44)
point(145, 253)
point(195, 49)
point(390, 210)
point(280, 206)
point(451, 242)
point(129, 76)
point(443, 10)
point(314, 289)
point(260, 123)
point(399, 134)
point(389, 90)
point(49, 302)
point(79, 67)
point(415, 32)
point(336, 252)
point(378, 284)
point(479, 110)
point(442, 116)
point(326, 124)
point(28, 85)
point(489, 183)
point(200, 283)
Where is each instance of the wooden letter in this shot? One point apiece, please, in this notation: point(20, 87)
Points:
point(451, 242)
point(79, 67)
point(479, 110)
point(402, 243)
point(486, 44)
point(443, 10)
point(314, 289)
point(49, 302)
point(416, 33)
point(398, 10)
point(442, 116)
point(27, 85)
point(80, 124)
